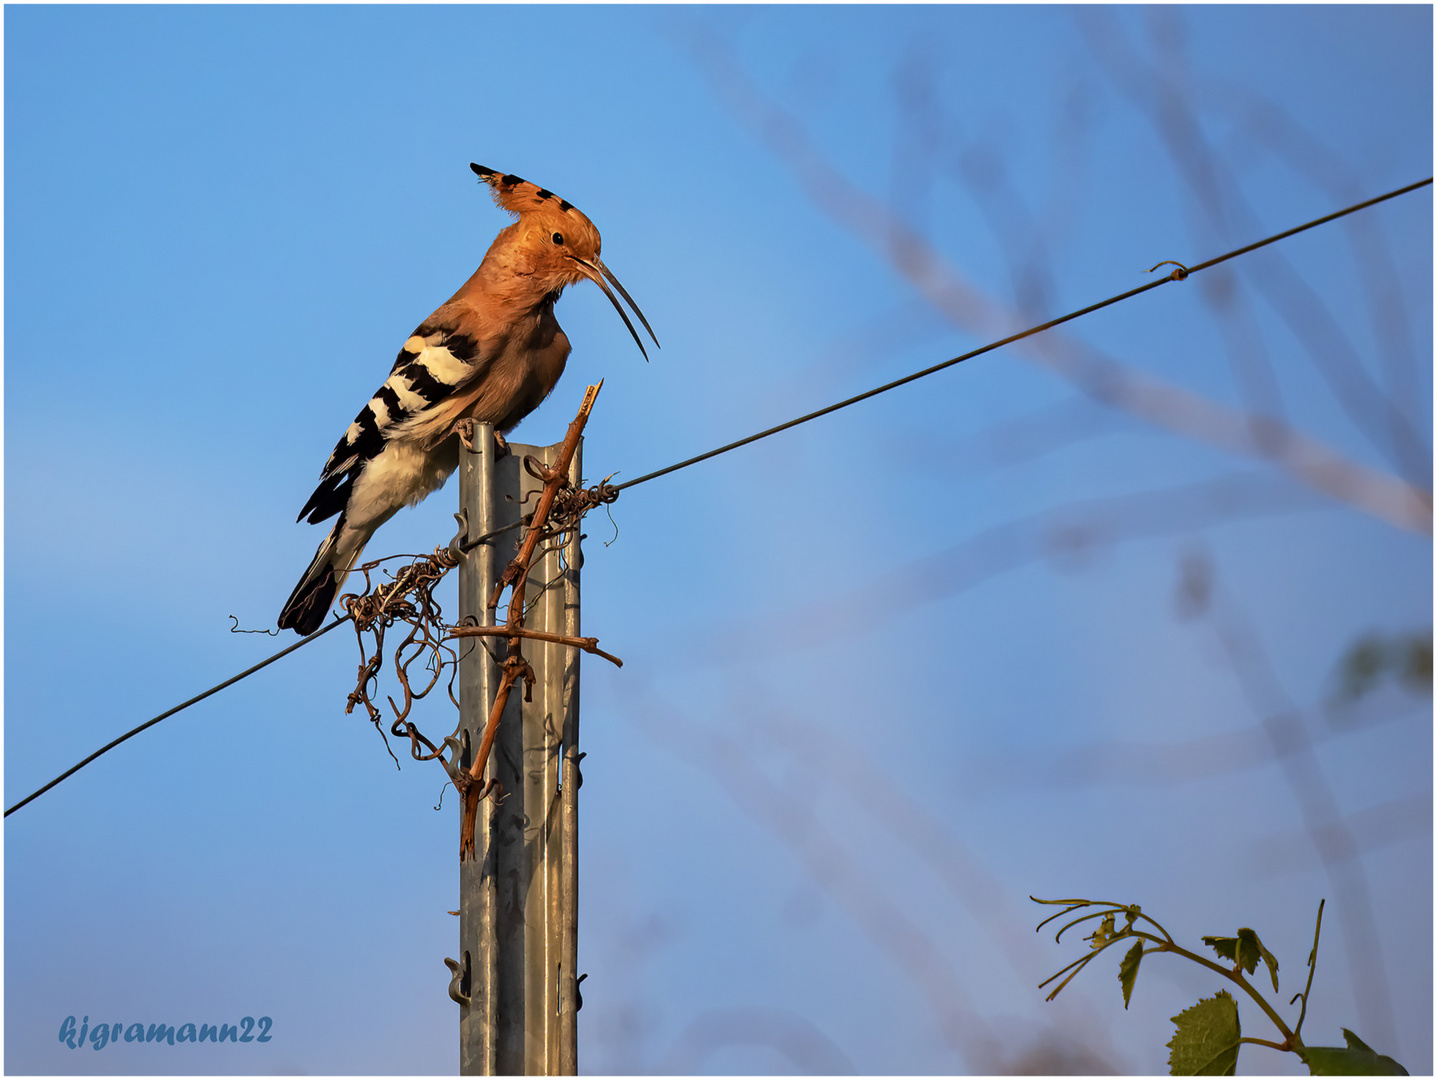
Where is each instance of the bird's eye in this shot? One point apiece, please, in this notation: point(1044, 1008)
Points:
point(558, 238)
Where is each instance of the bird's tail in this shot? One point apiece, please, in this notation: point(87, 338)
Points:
point(314, 595)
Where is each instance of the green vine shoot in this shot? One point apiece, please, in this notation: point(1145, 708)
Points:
point(1208, 1033)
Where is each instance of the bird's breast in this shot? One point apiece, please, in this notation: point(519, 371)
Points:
point(523, 374)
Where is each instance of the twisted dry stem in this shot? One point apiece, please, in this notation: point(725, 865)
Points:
point(516, 576)
point(588, 644)
point(408, 598)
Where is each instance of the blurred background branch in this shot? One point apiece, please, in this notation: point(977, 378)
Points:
point(1103, 377)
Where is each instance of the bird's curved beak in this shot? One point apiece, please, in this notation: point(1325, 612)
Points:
point(596, 271)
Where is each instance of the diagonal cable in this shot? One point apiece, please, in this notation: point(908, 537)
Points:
point(1177, 275)
point(1180, 274)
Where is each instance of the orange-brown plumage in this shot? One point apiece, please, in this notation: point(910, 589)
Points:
point(491, 353)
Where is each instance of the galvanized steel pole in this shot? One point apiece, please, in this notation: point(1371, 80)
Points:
point(518, 899)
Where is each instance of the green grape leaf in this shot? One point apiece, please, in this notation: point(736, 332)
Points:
point(1358, 1059)
point(1251, 946)
point(1104, 934)
point(1245, 950)
point(1206, 1040)
point(1128, 970)
point(1405, 658)
point(1362, 667)
point(1417, 664)
point(1225, 947)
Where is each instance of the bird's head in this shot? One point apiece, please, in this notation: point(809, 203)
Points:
point(554, 244)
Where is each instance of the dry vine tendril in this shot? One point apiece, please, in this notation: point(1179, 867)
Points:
point(408, 600)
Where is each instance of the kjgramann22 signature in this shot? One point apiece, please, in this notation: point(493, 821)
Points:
point(101, 1035)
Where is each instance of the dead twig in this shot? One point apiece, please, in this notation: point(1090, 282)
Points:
point(515, 577)
point(588, 644)
point(408, 599)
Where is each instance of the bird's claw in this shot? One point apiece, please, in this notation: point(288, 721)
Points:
point(465, 430)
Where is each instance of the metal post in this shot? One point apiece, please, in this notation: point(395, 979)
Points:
point(518, 900)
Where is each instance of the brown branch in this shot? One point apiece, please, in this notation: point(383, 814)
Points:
point(516, 575)
point(554, 480)
point(588, 644)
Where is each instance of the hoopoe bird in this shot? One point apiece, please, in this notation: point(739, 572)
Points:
point(490, 353)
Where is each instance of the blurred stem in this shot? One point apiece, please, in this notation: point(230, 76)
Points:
point(1311, 968)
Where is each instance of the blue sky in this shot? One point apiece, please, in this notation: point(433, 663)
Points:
point(885, 675)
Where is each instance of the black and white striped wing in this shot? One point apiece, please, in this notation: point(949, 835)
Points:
point(433, 365)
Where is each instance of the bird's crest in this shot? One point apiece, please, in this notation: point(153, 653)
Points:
point(517, 195)
point(571, 251)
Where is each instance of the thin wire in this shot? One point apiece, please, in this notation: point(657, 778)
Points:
point(470, 545)
point(467, 546)
point(171, 712)
point(1177, 275)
